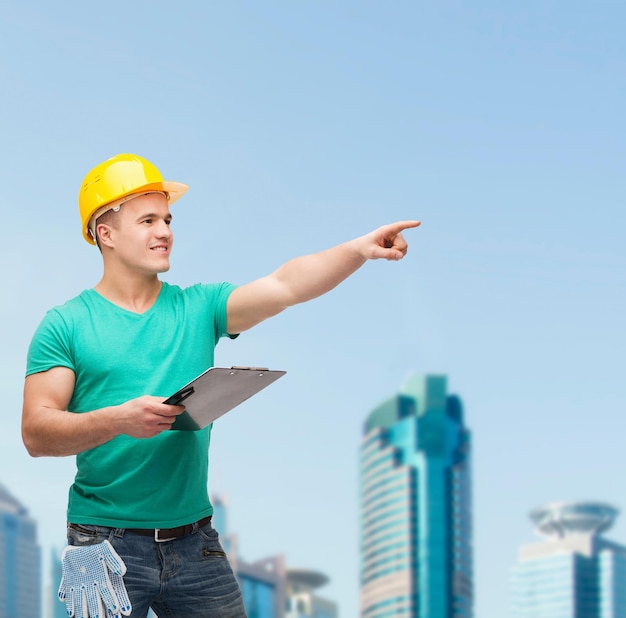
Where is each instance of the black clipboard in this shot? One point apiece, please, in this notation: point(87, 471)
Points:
point(216, 391)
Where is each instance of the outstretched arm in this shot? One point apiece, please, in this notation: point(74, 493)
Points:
point(310, 276)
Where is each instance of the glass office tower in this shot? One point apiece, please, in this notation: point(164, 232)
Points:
point(415, 506)
point(575, 573)
point(20, 573)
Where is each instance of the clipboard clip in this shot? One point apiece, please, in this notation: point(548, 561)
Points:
point(177, 398)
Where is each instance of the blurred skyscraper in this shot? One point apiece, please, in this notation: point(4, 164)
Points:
point(269, 589)
point(575, 573)
point(415, 506)
point(55, 608)
point(262, 582)
point(20, 571)
point(302, 600)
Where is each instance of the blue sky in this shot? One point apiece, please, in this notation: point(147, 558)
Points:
point(299, 125)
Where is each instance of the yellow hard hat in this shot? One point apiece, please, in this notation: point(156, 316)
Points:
point(119, 177)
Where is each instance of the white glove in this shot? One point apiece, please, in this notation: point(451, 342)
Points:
point(92, 584)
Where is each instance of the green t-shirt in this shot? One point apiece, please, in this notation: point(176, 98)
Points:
point(118, 355)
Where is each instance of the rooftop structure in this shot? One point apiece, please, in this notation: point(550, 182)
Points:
point(562, 519)
point(306, 578)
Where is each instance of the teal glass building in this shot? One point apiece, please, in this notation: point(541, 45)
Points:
point(415, 506)
point(575, 572)
point(20, 571)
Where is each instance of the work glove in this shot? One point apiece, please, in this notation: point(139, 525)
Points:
point(92, 584)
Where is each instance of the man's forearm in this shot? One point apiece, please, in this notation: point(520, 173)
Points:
point(310, 276)
point(57, 433)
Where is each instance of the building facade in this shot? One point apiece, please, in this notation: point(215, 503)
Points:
point(575, 572)
point(20, 560)
point(302, 598)
point(415, 506)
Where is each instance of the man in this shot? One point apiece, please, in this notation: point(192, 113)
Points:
point(99, 368)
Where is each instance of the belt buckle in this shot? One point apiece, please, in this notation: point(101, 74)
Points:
point(157, 539)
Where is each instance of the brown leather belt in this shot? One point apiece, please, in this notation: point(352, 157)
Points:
point(169, 534)
point(161, 535)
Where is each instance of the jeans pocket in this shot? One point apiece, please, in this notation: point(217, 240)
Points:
point(84, 535)
point(212, 547)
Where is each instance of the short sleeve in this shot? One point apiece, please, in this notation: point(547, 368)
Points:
point(215, 299)
point(50, 345)
point(224, 290)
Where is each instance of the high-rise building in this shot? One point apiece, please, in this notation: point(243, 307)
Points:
point(20, 571)
point(415, 506)
point(575, 572)
point(302, 598)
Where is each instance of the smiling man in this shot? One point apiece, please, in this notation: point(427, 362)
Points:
point(99, 368)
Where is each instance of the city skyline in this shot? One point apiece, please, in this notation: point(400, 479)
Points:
point(574, 573)
point(297, 126)
point(573, 529)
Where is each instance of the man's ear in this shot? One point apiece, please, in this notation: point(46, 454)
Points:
point(104, 233)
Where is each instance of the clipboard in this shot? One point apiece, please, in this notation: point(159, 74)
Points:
point(216, 391)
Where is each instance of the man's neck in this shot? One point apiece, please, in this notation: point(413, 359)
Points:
point(130, 293)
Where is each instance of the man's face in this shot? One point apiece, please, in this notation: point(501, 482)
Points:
point(141, 234)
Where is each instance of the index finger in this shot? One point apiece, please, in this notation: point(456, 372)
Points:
point(398, 226)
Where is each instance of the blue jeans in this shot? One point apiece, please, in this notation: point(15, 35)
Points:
point(189, 577)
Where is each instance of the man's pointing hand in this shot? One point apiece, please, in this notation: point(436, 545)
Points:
point(387, 242)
